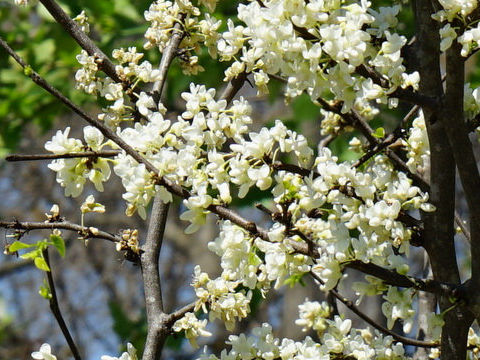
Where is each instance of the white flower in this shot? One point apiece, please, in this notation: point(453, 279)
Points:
point(89, 205)
point(192, 326)
point(131, 354)
point(45, 353)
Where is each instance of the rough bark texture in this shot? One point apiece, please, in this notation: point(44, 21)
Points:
point(439, 225)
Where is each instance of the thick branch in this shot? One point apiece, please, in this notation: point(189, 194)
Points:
point(72, 28)
point(156, 318)
point(439, 226)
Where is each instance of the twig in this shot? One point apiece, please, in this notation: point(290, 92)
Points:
point(56, 310)
point(461, 224)
point(370, 321)
point(84, 231)
point(91, 154)
point(180, 313)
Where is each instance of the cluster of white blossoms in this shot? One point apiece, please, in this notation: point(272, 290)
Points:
point(418, 146)
point(163, 15)
point(317, 46)
point(72, 173)
point(338, 341)
point(192, 326)
point(455, 9)
point(341, 212)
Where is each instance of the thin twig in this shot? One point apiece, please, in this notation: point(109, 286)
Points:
point(90, 154)
point(461, 224)
point(56, 310)
point(349, 304)
point(180, 313)
point(83, 231)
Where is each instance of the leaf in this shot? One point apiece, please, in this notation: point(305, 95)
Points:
point(59, 244)
point(44, 291)
point(31, 254)
point(379, 133)
point(41, 263)
point(18, 245)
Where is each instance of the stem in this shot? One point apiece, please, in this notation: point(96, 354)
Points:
point(404, 340)
point(56, 310)
point(90, 154)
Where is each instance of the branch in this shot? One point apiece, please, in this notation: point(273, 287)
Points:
point(84, 231)
point(233, 87)
point(180, 313)
point(156, 318)
point(56, 310)
point(391, 277)
point(37, 79)
point(72, 28)
point(89, 154)
point(404, 340)
point(8, 267)
point(167, 57)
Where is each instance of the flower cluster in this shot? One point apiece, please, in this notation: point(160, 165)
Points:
point(455, 9)
point(339, 341)
point(72, 173)
point(313, 315)
point(163, 15)
point(316, 46)
point(224, 299)
point(192, 326)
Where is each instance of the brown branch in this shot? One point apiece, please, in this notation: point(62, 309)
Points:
point(90, 154)
point(168, 55)
point(56, 310)
point(157, 321)
point(72, 28)
point(156, 317)
point(233, 87)
point(83, 231)
point(180, 313)
point(349, 304)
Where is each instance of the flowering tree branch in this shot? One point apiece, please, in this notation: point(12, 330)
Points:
point(349, 304)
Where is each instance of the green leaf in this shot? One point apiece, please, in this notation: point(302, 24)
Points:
point(44, 291)
point(31, 254)
point(379, 133)
point(41, 263)
point(59, 244)
point(18, 245)
point(294, 280)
